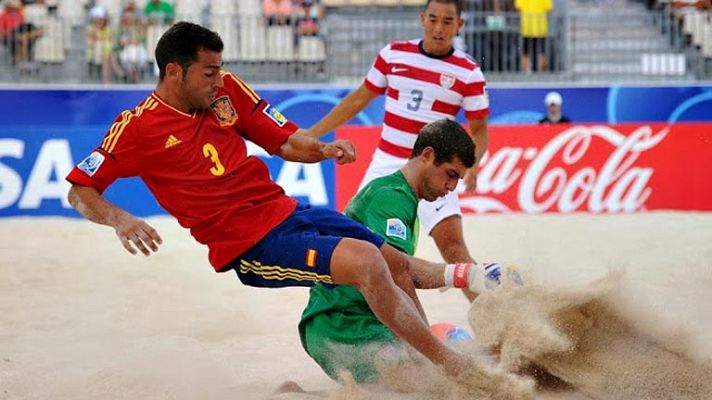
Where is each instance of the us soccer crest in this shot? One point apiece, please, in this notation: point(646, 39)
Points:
point(447, 81)
point(223, 109)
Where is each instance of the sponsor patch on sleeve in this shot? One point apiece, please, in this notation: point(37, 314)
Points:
point(92, 163)
point(395, 228)
point(275, 115)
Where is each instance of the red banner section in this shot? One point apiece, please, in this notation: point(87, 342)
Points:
point(574, 168)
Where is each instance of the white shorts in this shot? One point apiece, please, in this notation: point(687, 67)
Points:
point(430, 213)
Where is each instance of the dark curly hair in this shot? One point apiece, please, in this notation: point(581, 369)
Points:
point(180, 44)
point(449, 139)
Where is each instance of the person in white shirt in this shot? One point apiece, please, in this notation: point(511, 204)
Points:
point(424, 80)
point(554, 101)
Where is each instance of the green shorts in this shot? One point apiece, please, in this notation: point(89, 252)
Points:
point(349, 339)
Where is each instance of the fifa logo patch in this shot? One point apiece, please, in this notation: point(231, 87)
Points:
point(224, 111)
point(311, 258)
point(275, 115)
point(92, 163)
point(447, 81)
point(396, 228)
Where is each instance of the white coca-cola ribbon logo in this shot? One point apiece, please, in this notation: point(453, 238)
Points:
point(616, 185)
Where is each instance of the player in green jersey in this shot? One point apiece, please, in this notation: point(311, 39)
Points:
point(338, 329)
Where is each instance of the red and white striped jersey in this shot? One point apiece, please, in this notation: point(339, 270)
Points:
point(421, 88)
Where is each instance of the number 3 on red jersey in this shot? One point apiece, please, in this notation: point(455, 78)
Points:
point(210, 151)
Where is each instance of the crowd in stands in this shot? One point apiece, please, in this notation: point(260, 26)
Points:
point(503, 35)
point(694, 17)
point(120, 52)
point(120, 34)
point(18, 33)
point(115, 32)
point(304, 15)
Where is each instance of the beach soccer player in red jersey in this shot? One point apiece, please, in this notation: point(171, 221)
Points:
point(186, 141)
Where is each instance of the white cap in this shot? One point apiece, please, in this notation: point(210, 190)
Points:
point(553, 98)
point(97, 12)
point(12, 3)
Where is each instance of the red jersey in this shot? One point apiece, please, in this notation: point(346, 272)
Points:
point(196, 165)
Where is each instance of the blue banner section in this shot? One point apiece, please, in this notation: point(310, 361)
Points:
point(613, 105)
point(44, 133)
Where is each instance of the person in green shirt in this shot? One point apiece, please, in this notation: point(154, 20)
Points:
point(338, 329)
point(159, 12)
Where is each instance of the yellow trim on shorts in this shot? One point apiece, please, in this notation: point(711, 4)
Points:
point(274, 272)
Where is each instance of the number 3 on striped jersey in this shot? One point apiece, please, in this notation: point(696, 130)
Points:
point(416, 98)
point(210, 151)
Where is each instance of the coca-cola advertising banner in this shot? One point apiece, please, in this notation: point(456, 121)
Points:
point(529, 168)
point(575, 168)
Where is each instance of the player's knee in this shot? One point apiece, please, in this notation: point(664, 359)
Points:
point(373, 267)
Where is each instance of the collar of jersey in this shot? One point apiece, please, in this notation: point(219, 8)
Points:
point(160, 100)
point(439, 57)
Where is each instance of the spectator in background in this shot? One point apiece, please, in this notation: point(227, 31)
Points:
point(534, 29)
point(17, 34)
point(100, 45)
point(131, 46)
point(307, 16)
point(553, 103)
point(159, 12)
point(277, 12)
point(681, 7)
point(36, 12)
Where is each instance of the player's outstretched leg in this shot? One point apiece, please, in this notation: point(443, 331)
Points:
point(360, 264)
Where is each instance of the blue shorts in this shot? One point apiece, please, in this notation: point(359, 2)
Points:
point(298, 251)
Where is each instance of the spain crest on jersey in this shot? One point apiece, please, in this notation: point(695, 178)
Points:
point(224, 111)
point(447, 81)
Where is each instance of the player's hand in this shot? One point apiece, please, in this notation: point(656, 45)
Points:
point(135, 234)
point(490, 276)
point(342, 151)
point(470, 179)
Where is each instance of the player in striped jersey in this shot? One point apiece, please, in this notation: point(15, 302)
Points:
point(186, 142)
point(424, 80)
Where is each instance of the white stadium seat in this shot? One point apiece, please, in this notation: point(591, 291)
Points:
point(50, 47)
point(311, 49)
point(280, 43)
point(252, 38)
point(188, 10)
point(227, 29)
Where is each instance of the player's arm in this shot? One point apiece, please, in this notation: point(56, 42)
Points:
point(134, 233)
point(479, 134)
point(301, 147)
point(388, 209)
point(343, 112)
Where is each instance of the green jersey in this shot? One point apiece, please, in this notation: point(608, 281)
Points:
point(388, 206)
point(337, 317)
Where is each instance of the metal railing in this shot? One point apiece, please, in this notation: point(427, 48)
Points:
point(578, 47)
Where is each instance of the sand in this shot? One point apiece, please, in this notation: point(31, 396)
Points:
point(82, 319)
